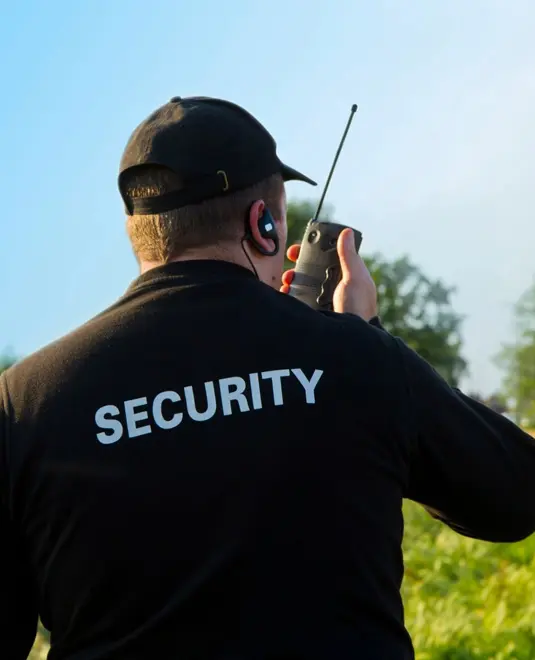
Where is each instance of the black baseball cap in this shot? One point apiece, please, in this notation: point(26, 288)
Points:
point(214, 146)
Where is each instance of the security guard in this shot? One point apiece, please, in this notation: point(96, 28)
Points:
point(211, 470)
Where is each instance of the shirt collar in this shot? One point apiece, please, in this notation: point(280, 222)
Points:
point(196, 271)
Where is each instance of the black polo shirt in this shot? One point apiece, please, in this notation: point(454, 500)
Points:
point(209, 469)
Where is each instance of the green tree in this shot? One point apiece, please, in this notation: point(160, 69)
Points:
point(412, 306)
point(6, 361)
point(497, 402)
point(517, 359)
point(419, 310)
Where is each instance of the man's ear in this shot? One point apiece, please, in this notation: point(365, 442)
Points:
point(256, 213)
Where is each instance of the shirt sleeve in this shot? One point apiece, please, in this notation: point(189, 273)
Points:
point(18, 604)
point(471, 467)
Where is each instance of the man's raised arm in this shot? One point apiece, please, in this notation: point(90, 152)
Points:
point(472, 468)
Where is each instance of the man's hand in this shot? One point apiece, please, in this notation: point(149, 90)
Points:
point(356, 293)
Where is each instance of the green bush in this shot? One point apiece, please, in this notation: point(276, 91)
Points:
point(464, 599)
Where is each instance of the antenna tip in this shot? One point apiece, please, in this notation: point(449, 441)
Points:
point(354, 107)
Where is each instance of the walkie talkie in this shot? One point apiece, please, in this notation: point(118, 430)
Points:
point(317, 270)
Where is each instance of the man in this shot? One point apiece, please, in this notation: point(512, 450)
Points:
point(210, 469)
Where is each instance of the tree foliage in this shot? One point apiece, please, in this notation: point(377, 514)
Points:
point(517, 359)
point(419, 310)
point(496, 401)
point(412, 306)
point(6, 361)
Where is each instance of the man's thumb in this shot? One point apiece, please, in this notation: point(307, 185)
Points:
point(347, 253)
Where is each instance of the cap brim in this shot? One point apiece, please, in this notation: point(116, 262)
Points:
point(289, 174)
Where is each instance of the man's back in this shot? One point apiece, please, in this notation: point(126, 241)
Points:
point(210, 469)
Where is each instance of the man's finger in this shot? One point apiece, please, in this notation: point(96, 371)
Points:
point(293, 252)
point(347, 254)
point(288, 276)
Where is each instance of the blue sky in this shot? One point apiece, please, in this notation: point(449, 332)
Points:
point(438, 163)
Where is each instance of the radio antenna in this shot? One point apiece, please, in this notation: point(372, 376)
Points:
point(352, 114)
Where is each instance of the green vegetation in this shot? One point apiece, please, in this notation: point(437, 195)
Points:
point(6, 360)
point(41, 646)
point(465, 599)
point(517, 359)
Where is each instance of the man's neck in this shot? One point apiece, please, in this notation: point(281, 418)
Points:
point(199, 255)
